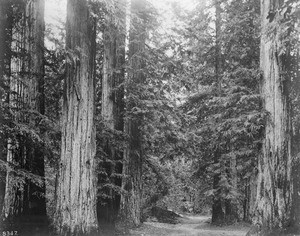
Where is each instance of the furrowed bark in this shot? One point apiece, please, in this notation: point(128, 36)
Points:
point(273, 200)
point(4, 73)
point(295, 212)
point(13, 204)
point(26, 82)
point(77, 184)
point(35, 48)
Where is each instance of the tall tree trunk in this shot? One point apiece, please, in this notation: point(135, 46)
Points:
point(296, 152)
point(76, 193)
point(35, 49)
point(131, 203)
point(231, 208)
point(295, 213)
point(27, 84)
point(112, 96)
point(3, 26)
point(217, 206)
point(4, 74)
point(250, 195)
point(14, 194)
point(113, 69)
point(2, 45)
point(35, 35)
point(273, 199)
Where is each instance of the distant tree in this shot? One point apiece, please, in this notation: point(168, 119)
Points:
point(131, 202)
point(77, 180)
point(112, 103)
point(217, 211)
point(223, 106)
point(26, 102)
point(5, 41)
point(240, 39)
point(36, 98)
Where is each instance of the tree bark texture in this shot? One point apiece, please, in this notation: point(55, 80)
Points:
point(250, 197)
point(13, 204)
point(113, 69)
point(35, 50)
point(131, 203)
point(26, 83)
point(231, 205)
point(273, 201)
point(35, 47)
point(295, 212)
point(77, 184)
point(4, 74)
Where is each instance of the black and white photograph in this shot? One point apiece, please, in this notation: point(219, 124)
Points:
point(149, 117)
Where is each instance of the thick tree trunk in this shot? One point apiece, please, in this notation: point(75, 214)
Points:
point(296, 161)
point(3, 42)
point(273, 199)
point(295, 213)
point(27, 84)
point(131, 203)
point(231, 205)
point(35, 49)
point(2, 45)
point(76, 193)
point(11, 202)
point(112, 97)
point(250, 197)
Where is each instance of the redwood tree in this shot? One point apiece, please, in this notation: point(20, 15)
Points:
point(112, 103)
point(13, 205)
point(4, 46)
point(131, 202)
point(26, 94)
point(76, 192)
point(35, 29)
point(273, 201)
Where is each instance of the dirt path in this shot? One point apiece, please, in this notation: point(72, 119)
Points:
point(189, 226)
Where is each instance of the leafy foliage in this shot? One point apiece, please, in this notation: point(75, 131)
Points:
point(224, 117)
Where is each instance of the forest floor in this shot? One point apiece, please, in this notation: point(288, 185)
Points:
point(187, 225)
point(190, 225)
